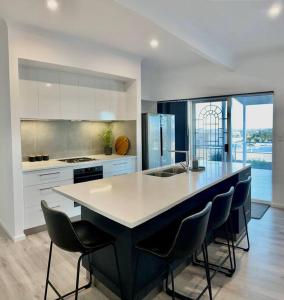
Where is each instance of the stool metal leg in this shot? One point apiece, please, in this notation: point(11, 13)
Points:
point(232, 240)
point(48, 270)
point(178, 295)
point(207, 270)
point(78, 277)
point(76, 291)
point(220, 267)
point(247, 234)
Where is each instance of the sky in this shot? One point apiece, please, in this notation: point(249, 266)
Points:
point(258, 116)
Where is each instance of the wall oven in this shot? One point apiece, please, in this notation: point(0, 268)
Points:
point(87, 174)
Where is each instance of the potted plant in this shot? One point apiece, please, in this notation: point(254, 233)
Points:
point(107, 137)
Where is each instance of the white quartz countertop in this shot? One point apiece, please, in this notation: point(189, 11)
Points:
point(135, 198)
point(55, 163)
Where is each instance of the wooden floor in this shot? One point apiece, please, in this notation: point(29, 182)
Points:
point(260, 273)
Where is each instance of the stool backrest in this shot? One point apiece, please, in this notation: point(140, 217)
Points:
point(241, 193)
point(191, 234)
point(221, 206)
point(60, 229)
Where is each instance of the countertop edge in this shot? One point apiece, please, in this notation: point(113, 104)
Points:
point(66, 165)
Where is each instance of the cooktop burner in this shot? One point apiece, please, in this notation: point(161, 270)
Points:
point(76, 159)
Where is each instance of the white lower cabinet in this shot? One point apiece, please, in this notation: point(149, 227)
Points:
point(119, 167)
point(34, 194)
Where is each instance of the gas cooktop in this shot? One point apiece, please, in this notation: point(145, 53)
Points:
point(76, 160)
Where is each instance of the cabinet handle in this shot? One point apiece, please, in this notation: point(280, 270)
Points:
point(55, 173)
point(55, 206)
point(50, 188)
point(120, 164)
point(120, 174)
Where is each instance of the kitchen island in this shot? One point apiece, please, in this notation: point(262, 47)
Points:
point(134, 206)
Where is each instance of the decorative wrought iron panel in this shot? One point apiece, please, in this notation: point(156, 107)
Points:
point(210, 134)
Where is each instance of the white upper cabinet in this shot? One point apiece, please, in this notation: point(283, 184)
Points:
point(28, 92)
point(86, 97)
point(69, 96)
point(102, 103)
point(60, 94)
point(48, 94)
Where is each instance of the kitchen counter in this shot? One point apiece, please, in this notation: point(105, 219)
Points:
point(54, 163)
point(133, 199)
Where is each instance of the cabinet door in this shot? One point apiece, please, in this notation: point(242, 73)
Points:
point(49, 96)
point(102, 103)
point(28, 92)
point(86, 98)
point(113, 99)
point(69, 96)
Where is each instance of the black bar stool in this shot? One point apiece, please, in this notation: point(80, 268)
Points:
point(171, 244)
point(81, 236)
point(241, 194)
point(220, 212)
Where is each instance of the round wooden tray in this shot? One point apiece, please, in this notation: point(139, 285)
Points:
point(122, 145)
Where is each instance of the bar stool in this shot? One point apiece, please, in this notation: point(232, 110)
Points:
point(241, 194)
point(171, 244)
point(220, 212)
point(81, 236)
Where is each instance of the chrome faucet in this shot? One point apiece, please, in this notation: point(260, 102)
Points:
point(186, 165)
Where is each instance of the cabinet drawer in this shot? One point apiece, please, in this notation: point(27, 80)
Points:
point(34, 194)
point(46, 176)
point(33, 216)
point(119, 167)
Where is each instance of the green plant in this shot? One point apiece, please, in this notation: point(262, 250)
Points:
point(107, 137)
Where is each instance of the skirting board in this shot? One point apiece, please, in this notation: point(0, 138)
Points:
point(15, 238)
point(277, 205)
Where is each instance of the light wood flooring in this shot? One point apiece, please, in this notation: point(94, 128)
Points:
point(260, 273)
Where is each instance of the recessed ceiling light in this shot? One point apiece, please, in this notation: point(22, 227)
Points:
point(275, 10)
point(52, 4)
point(154, 43)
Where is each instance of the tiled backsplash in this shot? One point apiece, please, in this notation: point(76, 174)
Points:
point(70, 138)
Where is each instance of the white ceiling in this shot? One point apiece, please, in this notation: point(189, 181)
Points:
point(189, 31)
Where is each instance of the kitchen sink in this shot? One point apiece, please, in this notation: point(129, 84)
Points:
point(161, 174)
point(174, 170)
point(167, 172)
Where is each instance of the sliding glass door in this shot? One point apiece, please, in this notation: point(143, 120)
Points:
point(238, 129)
point(252, 132)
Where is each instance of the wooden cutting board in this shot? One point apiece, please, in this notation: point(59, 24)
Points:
point(122, 145)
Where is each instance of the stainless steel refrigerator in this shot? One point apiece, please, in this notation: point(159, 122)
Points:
point(158, 137)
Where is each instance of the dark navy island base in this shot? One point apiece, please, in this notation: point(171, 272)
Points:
point(151, 271)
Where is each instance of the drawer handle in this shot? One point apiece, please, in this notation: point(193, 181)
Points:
point(120, 174)
point(55, 173)
point(50, 188)
point(54, 206)
point(120, 164)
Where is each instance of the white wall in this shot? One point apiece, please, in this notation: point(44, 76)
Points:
point(27, 43)
point(253, 74)
point(148, 106)
point(6, 176)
